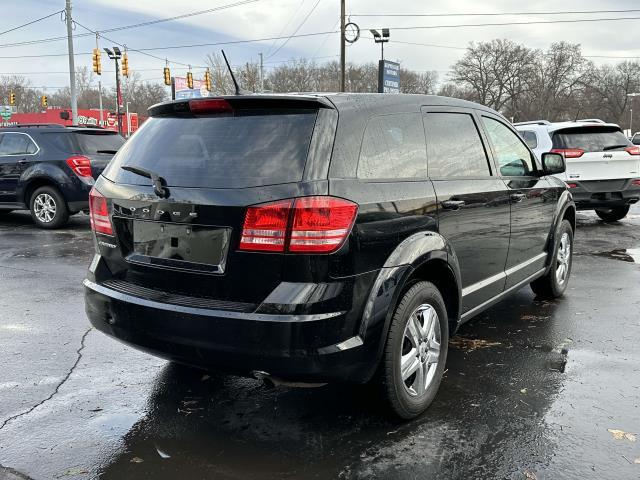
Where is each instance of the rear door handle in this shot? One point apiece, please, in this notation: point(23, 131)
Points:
point(453, 204)
point(23, 160)
point(518, 197)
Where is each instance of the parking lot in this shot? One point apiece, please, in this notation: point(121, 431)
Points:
point(531, 391)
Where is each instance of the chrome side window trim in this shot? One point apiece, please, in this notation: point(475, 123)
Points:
point(21, 154)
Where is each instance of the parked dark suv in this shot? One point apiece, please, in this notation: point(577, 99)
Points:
point(49, 169)
point(322, 237)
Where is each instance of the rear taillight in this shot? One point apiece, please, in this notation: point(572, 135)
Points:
point(636, 182)
point(632, 150)
point(317, 224)
point(569, 152)
point(99, 213)
point(80, 165)
point(572, 185)
point(265, 227)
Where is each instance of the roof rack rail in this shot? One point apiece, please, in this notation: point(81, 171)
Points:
point(42, 125)
point(534, 122)
point(592, 120)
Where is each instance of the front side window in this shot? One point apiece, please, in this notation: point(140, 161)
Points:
point(454, 147)
point(393, 148)
point(530, 138)
point(514, 158)
point(17, 144)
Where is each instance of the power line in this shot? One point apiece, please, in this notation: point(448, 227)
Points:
point(123, 27)
point(31, 22)
point(492, 14)
point(535, 22)
point(133, 49)
point(296, 30)
point(295, 13)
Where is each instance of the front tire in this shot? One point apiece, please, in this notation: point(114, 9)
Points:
point(555, 282)
point(416, 351)
point(613, 214)
point(48, 208)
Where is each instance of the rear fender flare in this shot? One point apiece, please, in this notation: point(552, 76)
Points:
point(394, 278)
point(44, 173)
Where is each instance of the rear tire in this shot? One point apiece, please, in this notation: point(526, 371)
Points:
point(613, 214)
point(48, 208)
point(415, 353)
point(555, 282)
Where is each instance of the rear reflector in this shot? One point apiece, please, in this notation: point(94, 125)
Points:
point(569, 152)
point(80, 165)
point(99, 213)
point(210, 105)
point(572, 185)
point(632, 150)
point(317, 224)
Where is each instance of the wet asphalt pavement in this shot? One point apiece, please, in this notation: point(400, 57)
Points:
point(531, 391)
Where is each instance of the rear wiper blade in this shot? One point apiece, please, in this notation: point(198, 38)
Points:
point(613, 147)
point(107, 151)
point(159, 183)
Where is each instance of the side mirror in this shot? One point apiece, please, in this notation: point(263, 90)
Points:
point(553, 163)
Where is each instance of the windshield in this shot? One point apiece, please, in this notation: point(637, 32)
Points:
point(251, 148)
point(591, 139)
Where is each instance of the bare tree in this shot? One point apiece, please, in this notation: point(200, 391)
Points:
point(220, 78)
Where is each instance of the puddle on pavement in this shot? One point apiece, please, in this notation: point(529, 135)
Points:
point(631, 255)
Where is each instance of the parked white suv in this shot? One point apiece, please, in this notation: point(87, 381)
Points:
point(603, 166)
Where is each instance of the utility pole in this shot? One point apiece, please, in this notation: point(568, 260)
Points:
point(342, 46)
point(99, 87)
point(72, 67)
point(261, 74)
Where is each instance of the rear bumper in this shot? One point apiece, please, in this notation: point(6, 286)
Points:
point(309, 348)
point(589, 195)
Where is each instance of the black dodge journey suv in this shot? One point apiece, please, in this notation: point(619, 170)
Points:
point(318, 238)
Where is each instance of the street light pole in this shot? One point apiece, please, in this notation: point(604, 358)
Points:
point(631, 95)
point(115, 55)
point(100, 87)
point(128, 121)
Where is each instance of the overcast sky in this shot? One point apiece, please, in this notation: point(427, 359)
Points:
point(273, 18)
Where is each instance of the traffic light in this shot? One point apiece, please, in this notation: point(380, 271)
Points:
point(167, 76)
point(125, 65)
point(12, 98)
point(189, 79)
point(43, 100)
point(207, 80)
point(97, 65)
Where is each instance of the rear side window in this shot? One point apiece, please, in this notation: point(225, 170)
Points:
point(251, 148)
point(454, 147)
point(393, 148)
point(530, 138)
point(17, 144)
point(98, 142)
point(590, 139)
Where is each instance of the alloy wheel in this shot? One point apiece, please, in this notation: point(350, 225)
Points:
point(563, 258)
point(420, 350)
point(44, 208)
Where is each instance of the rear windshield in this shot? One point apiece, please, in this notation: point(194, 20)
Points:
point(251, 148)
point(86, 143)
point(98, 142)
point(590, 139)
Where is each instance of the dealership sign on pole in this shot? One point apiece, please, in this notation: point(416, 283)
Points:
point(388, 77)
point(181, 90)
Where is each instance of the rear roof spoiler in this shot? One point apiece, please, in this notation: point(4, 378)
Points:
point(181, 107)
